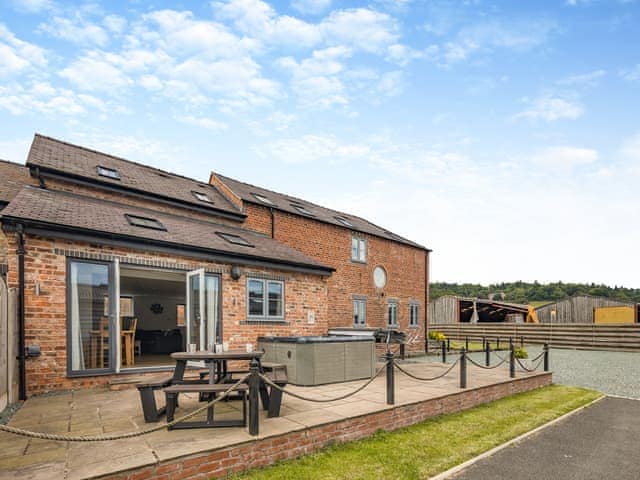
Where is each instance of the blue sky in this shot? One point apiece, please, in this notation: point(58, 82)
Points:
point(503, 135)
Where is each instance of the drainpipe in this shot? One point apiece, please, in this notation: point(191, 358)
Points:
point(273, 223)
point(426, 301)
point(21, 347)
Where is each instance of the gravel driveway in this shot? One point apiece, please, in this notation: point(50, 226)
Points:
point(613, 373)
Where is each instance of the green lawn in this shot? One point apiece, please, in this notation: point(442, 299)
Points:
point(433, 446)
point(477, 346)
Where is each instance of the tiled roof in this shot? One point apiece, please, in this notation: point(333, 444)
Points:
point(57, 209)
point(13, 177)
point(288, 204)
point(54, 155)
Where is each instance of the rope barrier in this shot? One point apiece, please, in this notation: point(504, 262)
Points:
point(321, 400)
point(423, 379)
point(471, 360)
point(533, 369)
point(119, 436)
point(504, 359)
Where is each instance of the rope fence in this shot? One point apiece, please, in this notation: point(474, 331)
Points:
point(120, 436)
point(257, 382)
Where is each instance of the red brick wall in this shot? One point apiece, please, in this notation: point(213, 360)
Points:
point(263, 452)
point(45, 314)
point(95, 192)
point(405, 266)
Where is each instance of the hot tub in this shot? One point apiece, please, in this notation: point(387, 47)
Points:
point(321, 360)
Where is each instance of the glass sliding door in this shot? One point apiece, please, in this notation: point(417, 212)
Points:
point(90, 312)
point(203, 300)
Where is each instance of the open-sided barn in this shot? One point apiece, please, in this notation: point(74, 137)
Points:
point(580, 309)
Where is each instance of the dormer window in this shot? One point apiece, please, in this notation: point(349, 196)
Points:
point(203, 197)
point(301, 209)
point(234, 239)
point(111, 173)
point(145, 222)
point(344, 221)
point(262, 198)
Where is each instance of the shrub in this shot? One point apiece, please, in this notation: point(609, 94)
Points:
point(437, 336)
point(520, 352)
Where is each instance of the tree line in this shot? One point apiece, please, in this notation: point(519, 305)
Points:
point(526, 292)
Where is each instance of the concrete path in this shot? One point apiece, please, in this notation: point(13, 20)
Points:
point(600, 442)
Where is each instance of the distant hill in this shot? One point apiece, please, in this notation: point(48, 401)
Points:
point(535, 293)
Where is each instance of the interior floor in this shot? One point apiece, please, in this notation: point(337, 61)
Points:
point(153, 360)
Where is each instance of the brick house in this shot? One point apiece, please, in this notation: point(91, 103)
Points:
point(118, 264)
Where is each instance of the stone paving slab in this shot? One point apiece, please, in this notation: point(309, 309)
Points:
point(98, 411)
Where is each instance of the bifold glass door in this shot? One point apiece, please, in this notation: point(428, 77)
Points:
point(90, 316)
point(202, 316)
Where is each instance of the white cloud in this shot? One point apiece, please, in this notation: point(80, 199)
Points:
point(391, 84)
point(203, 122)
point(75, 29)
point(632, 74)
point(488, 37)
point(92, 73)
point(361, 28)
point(313, 148)
point(631, 149)
point(115, 23)
point(550, 108)
point(403, 54)
point(315, 80)
point(311, 6)
point(565, 158)
point(18, 56)
point(590, 79)
point(33, 6)
point(44, 98)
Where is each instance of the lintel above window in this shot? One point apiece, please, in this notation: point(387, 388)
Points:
point(145, 222)
point(203, 197)
point(235, 239)
point(107, 172)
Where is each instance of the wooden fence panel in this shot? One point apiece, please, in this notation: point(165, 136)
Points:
point(589, 336)
point(8, 346)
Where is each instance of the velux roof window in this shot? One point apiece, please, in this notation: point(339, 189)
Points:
point(203, 197)
point(111, 173)
point(302, 209)
point(344, 221)
point(144, 222)
point(262, 198)
point(234, 239)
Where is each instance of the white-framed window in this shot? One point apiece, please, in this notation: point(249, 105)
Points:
point(358, 249)
point(414, 310)
point(265, 299)
point(359, 311)
point(392, 314)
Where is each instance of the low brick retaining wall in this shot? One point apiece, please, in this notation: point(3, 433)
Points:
point(266, 451)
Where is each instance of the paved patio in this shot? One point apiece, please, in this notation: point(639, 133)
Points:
point(98, 411)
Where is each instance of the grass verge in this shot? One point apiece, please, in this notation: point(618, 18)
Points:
point(433, 446)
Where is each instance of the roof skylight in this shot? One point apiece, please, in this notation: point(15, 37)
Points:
point(108, 172)
point(235, 239)
point(302, 209)
point(262, 198)
point(145, 222)
point(344, 221)
point(203, 197)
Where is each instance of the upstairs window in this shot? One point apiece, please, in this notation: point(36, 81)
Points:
point(262, 198)
point(392, 314)
point(111, 173)
point(145, 222)
point(203, 197)
point(265, 299)
point(358, 249)
point(344, 221)
point(359, 312)
point(414, 309)
point(235, 239)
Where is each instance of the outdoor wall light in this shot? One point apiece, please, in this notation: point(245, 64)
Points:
point(32, 351)
point(235, 272)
